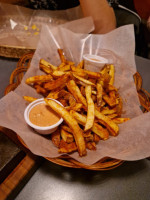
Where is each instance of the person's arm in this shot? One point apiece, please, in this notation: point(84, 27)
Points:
point(102, 14)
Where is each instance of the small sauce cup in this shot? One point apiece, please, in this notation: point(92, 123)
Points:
point(45, 130)
point(94, 63)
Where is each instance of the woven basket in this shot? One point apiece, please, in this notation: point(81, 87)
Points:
point(103, 164)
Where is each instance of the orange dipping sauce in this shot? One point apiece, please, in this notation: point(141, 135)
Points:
point(42, 115)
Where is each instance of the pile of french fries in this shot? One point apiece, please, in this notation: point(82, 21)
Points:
point(91, 108)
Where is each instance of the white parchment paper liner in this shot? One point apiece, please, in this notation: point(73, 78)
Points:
point(133, 141)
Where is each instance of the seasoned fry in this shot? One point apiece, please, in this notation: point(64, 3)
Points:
point(29, 99)
point(120, 120)
point(75, 91)
point(67, 137)
point(61, 55)
point(57, 83)
point(72, 123)
point(99, 93)
point(47, 64)
point(45, 69)
point(83, 80)
point(40, 89)
point(76, 107)
point(88, 136)
point(90, 111)
point(112, 74)
point(67, 147)
point(91, 146)
point(81, 64)
point(111, 126)
point(99, 130)
point(40, 79)
point(55, 137)
point(64, 68)
point(89, 73)
point(66, 128)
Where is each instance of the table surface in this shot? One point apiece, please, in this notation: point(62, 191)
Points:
point(129, 181)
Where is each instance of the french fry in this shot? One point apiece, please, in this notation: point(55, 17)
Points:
point(45, 69)
point(29, 99)
point(120, 120)
point(72, 123)
point(110, 125)
point(40, 89)
point(57, 83)
point(66, 128)
point(55, 137)
point(81, 64)
point(91, 146)
point(88, 136)
point(99, 94)
point(64, 68)
point(61, 55)
point(75, 91)
point(67, 147)
point(40, 79)
point(76, 107)
point(89, 73)
point(54, 94)
point(57, 73)
point(67, 137)
point(112, 74)
point(99, 130)
point(44, 62)
point(83, 80)
point(107, 111)
point(96, 138)
point(90, 111)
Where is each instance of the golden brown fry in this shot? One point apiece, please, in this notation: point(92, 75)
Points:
point(61, 55)
point(99, 94)
point(81, 64)
point(120, 120)
point(89, 73)
point(55, 137)
point(99, 130)
point(67, 147)
point(112, 116)
point(54, 94)
point(29, 99)
point(107, 111)
point(76, 107)
point(87, 82)
point(112, 74)
point(72, 123)
point(88, 136)
point(90, 110)
point(67, 137)
point(110, 100)
point(44, 62)
point(96, 138)
point(40, 89)
point(110, 125)
point(57, 73)
point(45, 69)
point(57, 83)
point(66, 128)
point(91, 146)
point(75, 91)
point(39, 79)
point(64, 68)
point(119, 106)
